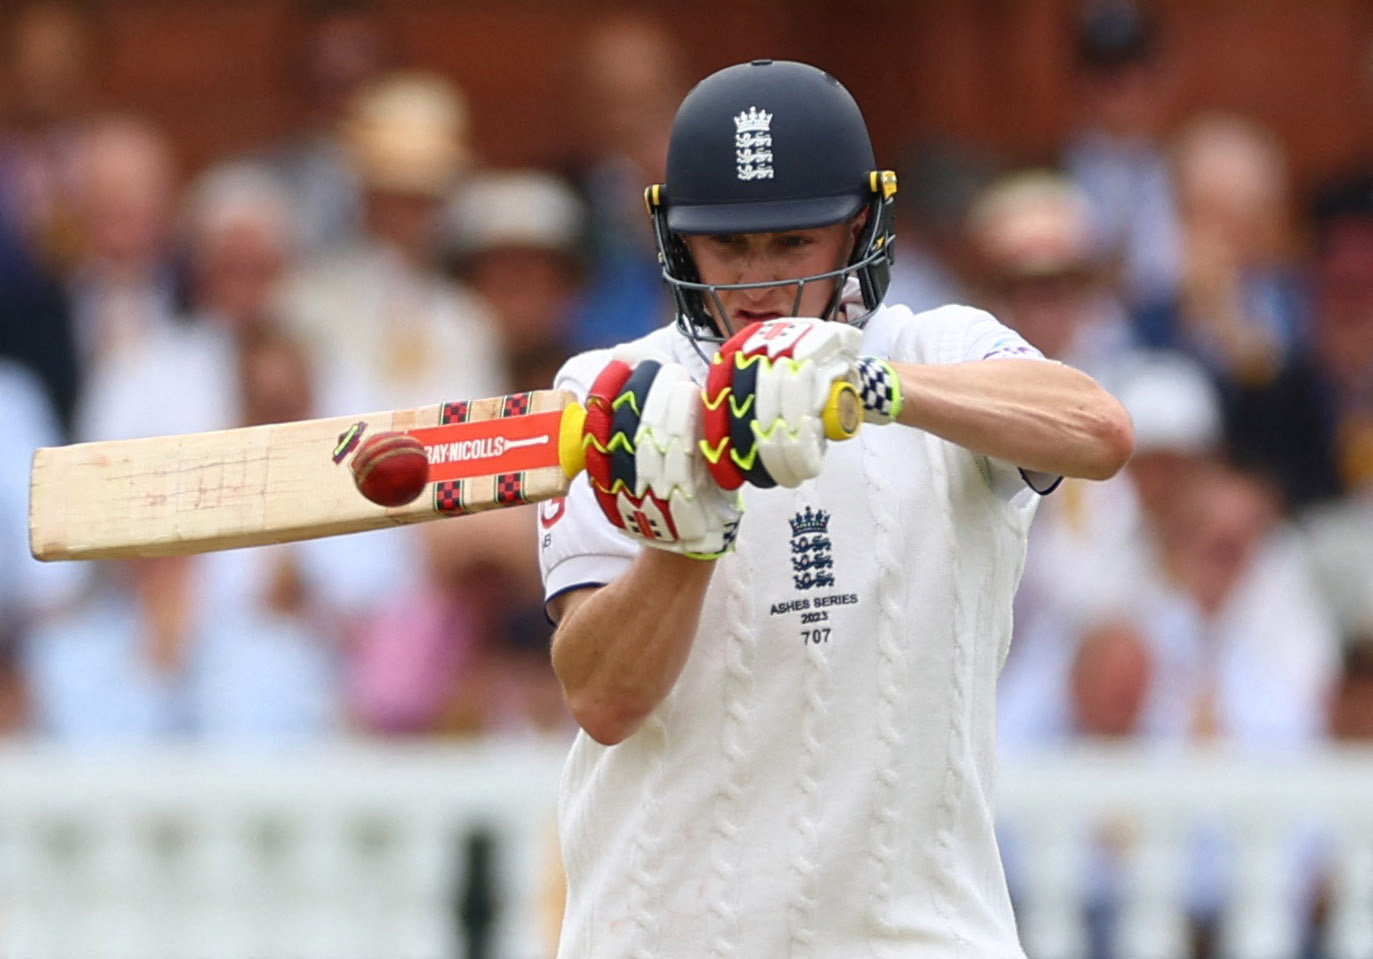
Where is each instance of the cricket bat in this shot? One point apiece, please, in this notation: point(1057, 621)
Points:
point(256, 485)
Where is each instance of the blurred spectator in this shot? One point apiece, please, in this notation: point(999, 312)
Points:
point(1246, 643)
point(1252, 660)
point(339, 46)
point(242, 243)
point(47, 78)
point(1034, 264)
point(1239, 307)
point(28, 589)
point(1093, 553)
point(238, 238)
point(1115, 152)
point(1339, 535)
point(518, 238)
point(242, 236)
point(386, 328)
point(1177, 415)
point(1340, 541)
point(1087, 661)
point(1351, 710)
point(1243, 307)
point(1343, 334)
point(14, 700)
point(1110, 680)
point(1201, 559)
point(938, 181)
point(240, 645)
point(630, 82)
point(108, 669)
point(123, 284)
point(1179, 611)
point(265, 661)
point(45, 81)
point(1351, 723)
point(1310, 427)
point(464, 650)
point(1257, 648)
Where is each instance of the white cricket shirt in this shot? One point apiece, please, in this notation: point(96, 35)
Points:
point(819, 781)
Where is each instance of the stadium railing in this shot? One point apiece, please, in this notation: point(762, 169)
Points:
point(433, 851)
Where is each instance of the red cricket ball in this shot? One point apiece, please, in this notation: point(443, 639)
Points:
point(391, 469)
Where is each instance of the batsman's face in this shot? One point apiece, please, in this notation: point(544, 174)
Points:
point(776, 259)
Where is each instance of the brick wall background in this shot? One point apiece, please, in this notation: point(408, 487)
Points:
point(993, 72)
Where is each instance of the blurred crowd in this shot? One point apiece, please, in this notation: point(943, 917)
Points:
point(1221, 590)
point(367, 260)
point(371, 259)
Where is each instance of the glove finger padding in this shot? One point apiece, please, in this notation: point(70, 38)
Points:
point(627, 409)
point(717, 420)
point(599, 438)
point(741, 408)
point(780, 374)
point(650, 479)
point(670, 464)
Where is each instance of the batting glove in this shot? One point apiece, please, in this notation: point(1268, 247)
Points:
point(767, 395)
point(642, 442)
point(878, 388)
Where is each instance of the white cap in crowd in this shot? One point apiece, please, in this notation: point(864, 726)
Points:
point(1172, 401)
point(528, 209)
point(239, 193)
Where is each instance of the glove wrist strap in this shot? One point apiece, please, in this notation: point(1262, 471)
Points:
point(880, 389)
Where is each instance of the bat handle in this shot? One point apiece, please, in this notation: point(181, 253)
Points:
point(842, 413)
point(571, 452)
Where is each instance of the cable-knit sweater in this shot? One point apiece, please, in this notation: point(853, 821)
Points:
point(819, 780)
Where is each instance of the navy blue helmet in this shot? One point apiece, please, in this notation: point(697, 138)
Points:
point(765, 147)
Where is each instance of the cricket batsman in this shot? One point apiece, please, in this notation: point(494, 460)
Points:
point(782, 650)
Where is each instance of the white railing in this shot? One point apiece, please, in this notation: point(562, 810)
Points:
point(387, 852)
point(337, 853)
point(1273, 825)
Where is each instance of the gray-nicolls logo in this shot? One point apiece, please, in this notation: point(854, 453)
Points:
point(812, 563)
point(753, 144)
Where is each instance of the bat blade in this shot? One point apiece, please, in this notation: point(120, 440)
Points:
point(257, 485)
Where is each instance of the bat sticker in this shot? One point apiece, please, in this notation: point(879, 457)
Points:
point(348, 441)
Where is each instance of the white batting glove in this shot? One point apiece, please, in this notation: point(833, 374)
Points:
point(766, 396)
point(643, 457)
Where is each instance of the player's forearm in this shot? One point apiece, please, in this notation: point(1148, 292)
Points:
point(1041, 416)
point(619, 649)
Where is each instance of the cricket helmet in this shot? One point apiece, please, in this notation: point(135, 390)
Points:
point(764, 147)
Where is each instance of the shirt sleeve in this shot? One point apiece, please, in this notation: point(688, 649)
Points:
point(969, 335)
point(990, 339)
point(986, 338)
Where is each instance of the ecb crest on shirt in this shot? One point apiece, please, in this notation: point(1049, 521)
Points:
point(812, 560)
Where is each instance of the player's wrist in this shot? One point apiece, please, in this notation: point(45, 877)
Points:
point(879, 387)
